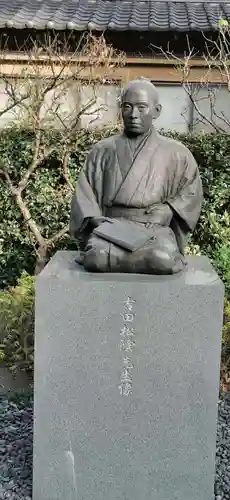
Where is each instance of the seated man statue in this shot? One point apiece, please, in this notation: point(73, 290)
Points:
point(141, 177)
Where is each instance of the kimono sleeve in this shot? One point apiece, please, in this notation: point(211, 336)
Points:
point(87, 197)
point(187, 201)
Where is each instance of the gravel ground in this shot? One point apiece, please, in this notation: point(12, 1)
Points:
point(16, 434)
point(16, 439)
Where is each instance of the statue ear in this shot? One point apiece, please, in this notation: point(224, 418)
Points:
point(157, 111)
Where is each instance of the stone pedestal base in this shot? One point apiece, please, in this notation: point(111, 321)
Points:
point(126, 383)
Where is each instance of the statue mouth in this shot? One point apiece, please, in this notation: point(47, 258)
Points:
point(134, 125)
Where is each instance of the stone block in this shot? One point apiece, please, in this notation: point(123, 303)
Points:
point(126, 383)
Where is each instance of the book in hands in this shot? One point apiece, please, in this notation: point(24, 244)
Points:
point(124, 234)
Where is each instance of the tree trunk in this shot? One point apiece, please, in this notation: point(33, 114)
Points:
point(42, 259)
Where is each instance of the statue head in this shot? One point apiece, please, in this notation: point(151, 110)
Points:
point(139, 106)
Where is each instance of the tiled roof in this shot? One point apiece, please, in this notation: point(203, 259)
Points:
point(142, 15)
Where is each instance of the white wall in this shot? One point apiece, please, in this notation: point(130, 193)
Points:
point(174, 100)
point(175, 113)
point(67, 103)
point(219, 102)
point(11, 115)
point(106, 99)
point(176, 108)
point(60, 102)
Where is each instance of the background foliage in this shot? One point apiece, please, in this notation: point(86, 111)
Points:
point(48, 198)
point(17, 324)
point(212, 234)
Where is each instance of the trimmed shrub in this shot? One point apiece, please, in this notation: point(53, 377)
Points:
point(48, 198)
point(17, 325)
point(225, 365)
point(212, 234)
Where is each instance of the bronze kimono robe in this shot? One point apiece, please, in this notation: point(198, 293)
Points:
point(160, 170)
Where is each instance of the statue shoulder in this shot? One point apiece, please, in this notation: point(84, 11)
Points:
point(107, 144)
point(175, 147)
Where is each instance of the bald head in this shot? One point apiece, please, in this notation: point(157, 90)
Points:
point(140, 106)
point(139, 85)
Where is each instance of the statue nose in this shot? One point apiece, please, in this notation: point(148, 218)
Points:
point(135, 113)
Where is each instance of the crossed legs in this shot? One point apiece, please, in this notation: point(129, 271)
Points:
point(159, 256)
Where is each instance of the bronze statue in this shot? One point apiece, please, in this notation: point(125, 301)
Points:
point(139, 184)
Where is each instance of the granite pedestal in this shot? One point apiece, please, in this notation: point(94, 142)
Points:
point(126, 383)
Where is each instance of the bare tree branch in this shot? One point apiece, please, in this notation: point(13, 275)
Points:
point(216, 58)
point(23, 182)
point(13, 104)
point(5, 174)
point(36, 96)
point(58, 236)
point(65, 170)
point(29, 220)
point(217, 128)
point(24, 209)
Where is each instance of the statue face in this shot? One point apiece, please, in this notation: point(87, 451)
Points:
point(138, 110)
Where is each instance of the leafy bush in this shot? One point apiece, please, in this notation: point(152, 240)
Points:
point(212, 234)
point(48, 198)
point(225, 364)
point(17, 324)
point(226, 331)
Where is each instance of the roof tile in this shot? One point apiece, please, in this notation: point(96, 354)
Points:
point(142, 15)
point(197, 17)
point(102, 15)
point(178, 16)
point(139, 18)
point(159, 16)
point(120, 16)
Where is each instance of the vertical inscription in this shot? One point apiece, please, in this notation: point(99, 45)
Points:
point(127, 343)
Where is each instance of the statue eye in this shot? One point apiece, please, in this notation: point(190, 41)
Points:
point(126, 106)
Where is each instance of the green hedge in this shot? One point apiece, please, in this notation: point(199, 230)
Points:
point(17, 324)
point(48, 198)
point(212, 233)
